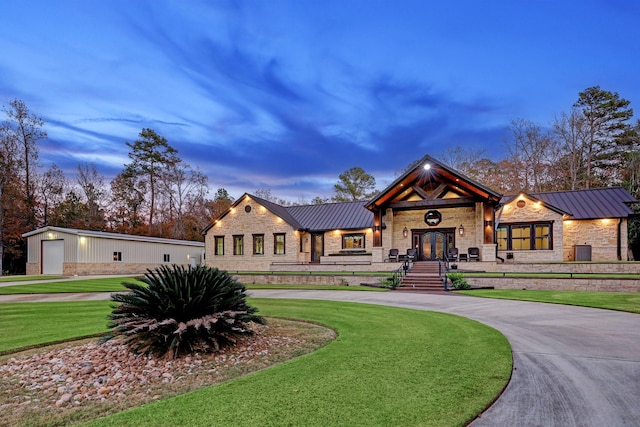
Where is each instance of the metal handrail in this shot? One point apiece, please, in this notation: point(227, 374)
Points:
point(399, 274)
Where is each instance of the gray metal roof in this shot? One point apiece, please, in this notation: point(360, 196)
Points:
point(117, 236)
point(333, 216)
point(594, 203)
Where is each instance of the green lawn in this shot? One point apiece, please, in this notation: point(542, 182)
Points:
point(621, 301)
point(115, 285)
point(388, 367)
point(29, 324)
point(26, 278)
point(111, 284)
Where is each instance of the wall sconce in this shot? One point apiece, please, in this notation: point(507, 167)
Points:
point(405, 232)
point(376, 228)
point(488, 223)
point(461, 230)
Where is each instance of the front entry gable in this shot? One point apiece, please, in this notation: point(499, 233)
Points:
point(429, 183)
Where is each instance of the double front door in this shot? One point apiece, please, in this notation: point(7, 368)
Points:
point(432, 244)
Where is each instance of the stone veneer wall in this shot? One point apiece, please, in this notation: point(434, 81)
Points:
point(324, 279)
point(601, 234)
point(594, 285)
point(553, 267)
point(258, 221)
point(91, 269)
point(533, 211)
point(451, 218)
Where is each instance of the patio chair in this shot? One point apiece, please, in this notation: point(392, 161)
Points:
point(393, 255)
point(411, 254)
point(474, 254)
point(452, 254)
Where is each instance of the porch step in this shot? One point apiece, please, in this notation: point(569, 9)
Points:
point(423, 276)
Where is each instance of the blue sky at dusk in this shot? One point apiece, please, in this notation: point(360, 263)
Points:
point(286, 95)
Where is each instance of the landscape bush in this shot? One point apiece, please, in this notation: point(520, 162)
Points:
point(458, 282)
point(181, 310)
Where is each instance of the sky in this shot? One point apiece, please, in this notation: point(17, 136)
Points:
point(286, 95)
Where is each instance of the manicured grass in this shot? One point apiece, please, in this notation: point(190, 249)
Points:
point(27, 278)
point(388, 366)
point(111, 284)
point(28, 324)
point(621, 301)
point(115, 285)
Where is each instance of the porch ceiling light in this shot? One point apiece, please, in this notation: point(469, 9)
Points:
point(427, 166)
point(461, 230)
point(405, 232)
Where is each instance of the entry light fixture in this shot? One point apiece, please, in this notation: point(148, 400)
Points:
point(405, 232)
point(461, 230)
point(488, 223)
point(376, 228)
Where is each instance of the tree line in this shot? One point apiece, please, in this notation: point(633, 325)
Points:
point(157, 193)
point(595, 144)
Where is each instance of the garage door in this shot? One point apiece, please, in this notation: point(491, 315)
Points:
point(52, 256)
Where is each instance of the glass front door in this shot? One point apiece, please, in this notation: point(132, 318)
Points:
point(317, 247)
point(432, 245)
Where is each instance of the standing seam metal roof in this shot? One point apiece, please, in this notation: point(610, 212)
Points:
point(333, 216)
point(594, 203)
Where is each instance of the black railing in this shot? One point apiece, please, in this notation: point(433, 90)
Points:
point(398, 275)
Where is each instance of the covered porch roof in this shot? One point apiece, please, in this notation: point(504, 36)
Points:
point(429, 183)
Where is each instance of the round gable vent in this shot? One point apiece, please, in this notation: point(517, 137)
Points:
point(247, 208)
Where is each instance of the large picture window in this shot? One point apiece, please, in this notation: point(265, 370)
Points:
point(279, 244)
point(238, 245)
point(258, 244)
point(219, 245)
point(353, 241)
point(524, 237)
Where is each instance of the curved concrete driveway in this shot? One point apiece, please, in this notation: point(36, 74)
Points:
point(573, 366)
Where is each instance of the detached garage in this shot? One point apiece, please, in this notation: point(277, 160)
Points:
point(69, 252)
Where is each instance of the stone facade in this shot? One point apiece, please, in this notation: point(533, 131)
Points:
point(248, 219)
point(551, 284)
point(527, 212)
point(600, 234)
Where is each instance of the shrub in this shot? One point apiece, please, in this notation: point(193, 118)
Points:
point(458, 282)
point(182, 310)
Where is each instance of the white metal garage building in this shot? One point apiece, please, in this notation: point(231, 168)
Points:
point(69, 252)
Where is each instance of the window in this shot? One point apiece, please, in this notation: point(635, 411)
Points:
point(353, 241)
point(279, 244)
point(219, 245)
point(117, 256)
point(238, 245)
point(543, 236)
point(520, 237)
point(167, 258)
point(524, 237)
point(258, 244)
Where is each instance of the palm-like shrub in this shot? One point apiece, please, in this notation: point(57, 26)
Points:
point(182, 310)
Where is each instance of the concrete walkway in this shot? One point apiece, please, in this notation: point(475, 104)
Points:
point(573, 366)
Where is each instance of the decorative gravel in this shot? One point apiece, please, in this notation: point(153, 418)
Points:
point(109, 374)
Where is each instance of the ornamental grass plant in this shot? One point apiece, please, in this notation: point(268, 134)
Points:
point(181, 310)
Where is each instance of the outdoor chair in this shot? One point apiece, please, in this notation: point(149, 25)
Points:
point(411, 254)
point(474, 254)
point(393, 255)
point(452, 254)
